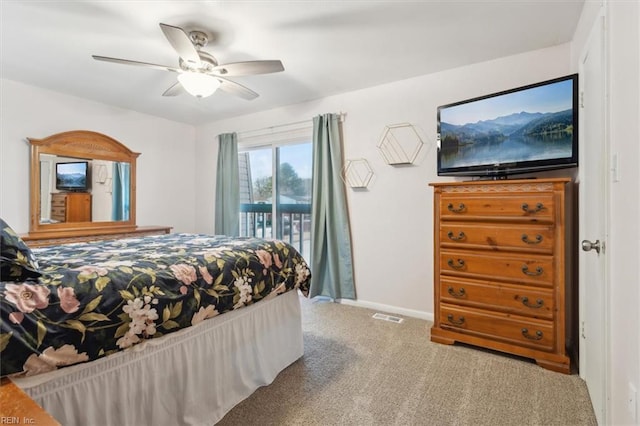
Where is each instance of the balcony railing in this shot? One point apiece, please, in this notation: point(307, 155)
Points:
point(293, 224)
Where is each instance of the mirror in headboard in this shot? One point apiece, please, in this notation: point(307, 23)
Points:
point(82, 182)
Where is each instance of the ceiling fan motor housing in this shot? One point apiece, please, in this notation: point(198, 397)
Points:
point(207, 63)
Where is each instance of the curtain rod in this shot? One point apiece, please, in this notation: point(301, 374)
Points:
point(285, 127)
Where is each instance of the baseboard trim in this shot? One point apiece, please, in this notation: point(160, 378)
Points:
point(388, 309)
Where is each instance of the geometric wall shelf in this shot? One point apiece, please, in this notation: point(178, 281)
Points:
point(357, 173)
point(400, 144)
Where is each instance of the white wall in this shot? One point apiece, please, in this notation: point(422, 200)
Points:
point(165, 173)
point(624, 239)
point(392, 222)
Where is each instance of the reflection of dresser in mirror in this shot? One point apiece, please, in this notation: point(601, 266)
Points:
point(71, 206)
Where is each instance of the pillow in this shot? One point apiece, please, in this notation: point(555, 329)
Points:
point(17, 261)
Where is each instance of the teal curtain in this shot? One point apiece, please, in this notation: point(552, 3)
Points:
point(227, 220)
point(331, 257)
point(120, 191)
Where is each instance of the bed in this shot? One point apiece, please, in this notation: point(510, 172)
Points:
point(168, 329)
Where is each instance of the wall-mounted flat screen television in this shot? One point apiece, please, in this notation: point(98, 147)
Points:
point(72, 176)
point(522, 130)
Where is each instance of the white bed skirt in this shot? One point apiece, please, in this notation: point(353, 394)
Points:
point(192, 377)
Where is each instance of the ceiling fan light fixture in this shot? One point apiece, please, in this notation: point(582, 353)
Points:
point(198, 84)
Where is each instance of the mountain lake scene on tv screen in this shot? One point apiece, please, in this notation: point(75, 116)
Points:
point(71, 176)
point(535, 124)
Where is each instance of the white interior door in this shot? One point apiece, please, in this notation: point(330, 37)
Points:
point(593, 202)
point(45, 189)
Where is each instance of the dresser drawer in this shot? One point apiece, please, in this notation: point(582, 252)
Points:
point(525, 268)
point(517, 299)
point(525, 207)
point(58, 218)
point(527, 332)
point(58, 202)
point(58, 211)
point(530, 238)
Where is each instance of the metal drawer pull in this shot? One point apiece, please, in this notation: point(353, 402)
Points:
point(539, 207)
point(538, 240)
point(460, 209)
point(458, 265)
point(460, 236)
point(539, 303)
point(538, 336)
point(460, 293)
point(453, 321)
point(536, 273)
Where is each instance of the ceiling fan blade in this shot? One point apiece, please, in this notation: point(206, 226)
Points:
point(236, 89)
point(174, 90)
point(138, 63)
point(181, 43)
point(248, 68)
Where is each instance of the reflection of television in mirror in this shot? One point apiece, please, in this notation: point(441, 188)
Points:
point(527, 129)
point(72, 176)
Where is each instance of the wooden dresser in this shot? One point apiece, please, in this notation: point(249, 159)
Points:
point(503, 271)
point(71, 206)
point(44, 239)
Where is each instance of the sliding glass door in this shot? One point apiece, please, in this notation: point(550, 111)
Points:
point(275, 193)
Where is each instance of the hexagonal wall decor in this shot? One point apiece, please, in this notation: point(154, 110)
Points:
point(400, 144)
point(357, 173)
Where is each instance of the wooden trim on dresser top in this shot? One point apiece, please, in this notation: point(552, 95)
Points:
point(507, 185)
point(53, 238)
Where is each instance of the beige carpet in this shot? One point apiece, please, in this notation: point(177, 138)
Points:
point(357, 370)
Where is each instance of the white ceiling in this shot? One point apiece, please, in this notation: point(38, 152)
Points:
point(327, 47)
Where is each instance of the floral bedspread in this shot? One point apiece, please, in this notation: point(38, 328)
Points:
point(95, 299)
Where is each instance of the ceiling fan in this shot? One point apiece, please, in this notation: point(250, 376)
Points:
point(199, 72)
